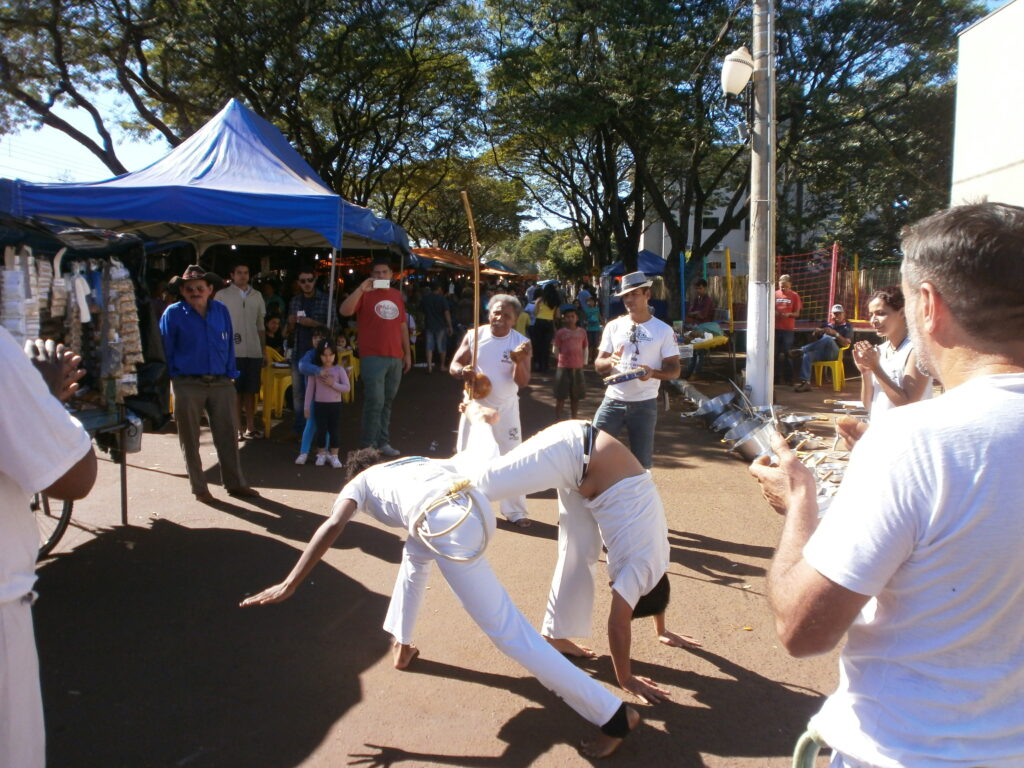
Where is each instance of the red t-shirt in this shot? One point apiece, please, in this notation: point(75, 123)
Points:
point(571, 346)
point(380, 315)
point(789, 302)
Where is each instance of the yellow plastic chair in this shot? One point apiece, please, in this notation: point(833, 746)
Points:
point(837, 369)
point(273, 384)
point(345, 360)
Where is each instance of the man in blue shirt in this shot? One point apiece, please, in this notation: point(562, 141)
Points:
point(200, 351)
point(832, 335)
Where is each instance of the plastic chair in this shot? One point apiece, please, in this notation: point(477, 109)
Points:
point(274, 382)
point(837, 369)
point(346, 360)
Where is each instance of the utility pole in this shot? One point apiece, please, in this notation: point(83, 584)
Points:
point(761, 285)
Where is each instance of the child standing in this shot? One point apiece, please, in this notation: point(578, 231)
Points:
point(571, 345)
point(592, 323)
point(323, 399)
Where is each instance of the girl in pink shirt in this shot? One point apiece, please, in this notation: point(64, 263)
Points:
point(571, 346)
point(323, 398)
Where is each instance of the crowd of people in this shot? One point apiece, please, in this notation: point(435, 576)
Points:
point(915, 562)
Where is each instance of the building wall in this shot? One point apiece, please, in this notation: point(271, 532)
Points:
point(657, 240)
point(988, 145)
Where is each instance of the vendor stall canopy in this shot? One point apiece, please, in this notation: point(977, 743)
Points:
point(235, 180)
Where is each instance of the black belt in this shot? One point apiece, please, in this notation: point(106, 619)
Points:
point(204, 377)
point(589, 436)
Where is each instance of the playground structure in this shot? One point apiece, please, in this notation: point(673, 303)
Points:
point(822, 278)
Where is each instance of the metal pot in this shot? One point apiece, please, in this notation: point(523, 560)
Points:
point(758, 442)
point(729, 419)
point(742, 429)
point(711, 409)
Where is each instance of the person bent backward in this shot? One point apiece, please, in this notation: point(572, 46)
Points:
point(450, 522)
point(604, 494)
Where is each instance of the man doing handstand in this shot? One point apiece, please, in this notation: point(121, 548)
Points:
point(450, 522)
point(603, 494)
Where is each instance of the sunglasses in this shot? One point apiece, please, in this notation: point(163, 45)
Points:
point(633, 337)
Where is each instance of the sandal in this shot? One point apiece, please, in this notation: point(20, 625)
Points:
point(253, 434)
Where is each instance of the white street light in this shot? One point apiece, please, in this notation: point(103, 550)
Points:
point(586, 241)
point(736, 71)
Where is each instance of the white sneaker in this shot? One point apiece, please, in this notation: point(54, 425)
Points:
point(321, 459)
point(336, 462)
point(301, 458)
point(388, 451)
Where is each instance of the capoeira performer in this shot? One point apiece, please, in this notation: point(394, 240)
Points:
point(504, 357)
point(603, 494)
point(449, 521)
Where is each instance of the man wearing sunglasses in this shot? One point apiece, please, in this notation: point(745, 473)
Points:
point(307, 310)
point(635, 341)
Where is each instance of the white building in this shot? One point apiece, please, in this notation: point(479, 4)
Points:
point(656, 239)
point(988, 145)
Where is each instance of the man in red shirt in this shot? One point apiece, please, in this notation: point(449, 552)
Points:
point(384, 353)
point(787, 310)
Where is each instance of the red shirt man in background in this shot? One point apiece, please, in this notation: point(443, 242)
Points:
point(787, 310)
point(384, 352)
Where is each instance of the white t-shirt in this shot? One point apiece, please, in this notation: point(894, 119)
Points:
point(894, 363)
point(929, 521)
point(494, 361)
point(652, 342)
point(39, 442)
point(633, 527)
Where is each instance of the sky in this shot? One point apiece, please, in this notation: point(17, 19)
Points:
point(47, 155)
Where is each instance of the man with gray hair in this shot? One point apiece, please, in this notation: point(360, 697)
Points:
point(917, 559)
point(504, 357)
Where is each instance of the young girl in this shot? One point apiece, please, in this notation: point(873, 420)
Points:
point(323, 393)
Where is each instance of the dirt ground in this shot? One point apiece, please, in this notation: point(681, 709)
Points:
point(148, 661)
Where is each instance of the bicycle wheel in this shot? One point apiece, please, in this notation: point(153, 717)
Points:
point(51, 520)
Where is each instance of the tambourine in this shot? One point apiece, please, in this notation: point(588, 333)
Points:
point(627, 375)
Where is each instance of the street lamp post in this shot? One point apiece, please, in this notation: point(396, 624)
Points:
point(738, 69)
point(593, 256)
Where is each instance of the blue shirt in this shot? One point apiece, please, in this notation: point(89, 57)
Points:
point(198, 346)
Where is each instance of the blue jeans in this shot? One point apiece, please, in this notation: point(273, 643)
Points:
point(381, 377)
point(639, 419)
point(298, 400)
point(783, 363)
point(821, 350)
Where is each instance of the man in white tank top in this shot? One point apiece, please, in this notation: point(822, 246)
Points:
point(504, 357)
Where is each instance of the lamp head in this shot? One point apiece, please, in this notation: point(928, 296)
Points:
point(737, 70)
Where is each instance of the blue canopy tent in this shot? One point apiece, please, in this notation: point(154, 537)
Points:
point(648, 262)
point(236, 180)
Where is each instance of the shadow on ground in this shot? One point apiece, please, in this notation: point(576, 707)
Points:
point(147, 659)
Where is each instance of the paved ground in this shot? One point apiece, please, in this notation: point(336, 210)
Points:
point(147, 661)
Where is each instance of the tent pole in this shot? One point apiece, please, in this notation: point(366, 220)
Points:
point(330, 291)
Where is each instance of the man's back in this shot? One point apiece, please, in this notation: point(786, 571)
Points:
point(928, 519)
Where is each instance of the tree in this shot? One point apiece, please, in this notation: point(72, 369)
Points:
point(363, 89)
point(433, 211)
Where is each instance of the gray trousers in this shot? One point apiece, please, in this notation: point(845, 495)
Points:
point(219, 400)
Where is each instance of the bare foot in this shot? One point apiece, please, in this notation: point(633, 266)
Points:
point(569, 648)
point(603, 745)
point(523, 522)
point(678, 641)
point(403, 655)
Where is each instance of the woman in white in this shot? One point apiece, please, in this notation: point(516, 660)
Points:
point(890, 376)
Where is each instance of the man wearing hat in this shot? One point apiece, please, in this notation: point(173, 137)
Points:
point(384, 352)
point(832, 335)
point(200, 350)
point(638, 342)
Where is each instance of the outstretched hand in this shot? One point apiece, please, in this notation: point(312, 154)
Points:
point(384, 757)
point(59, 367)
point(274, 594)
point(645, 689)
point(678, 641)
point(779, 482)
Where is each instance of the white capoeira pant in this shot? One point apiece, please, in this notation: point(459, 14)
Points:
point(22, 738)
point(474, 583)
point(627, 517)
point(508, 434)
